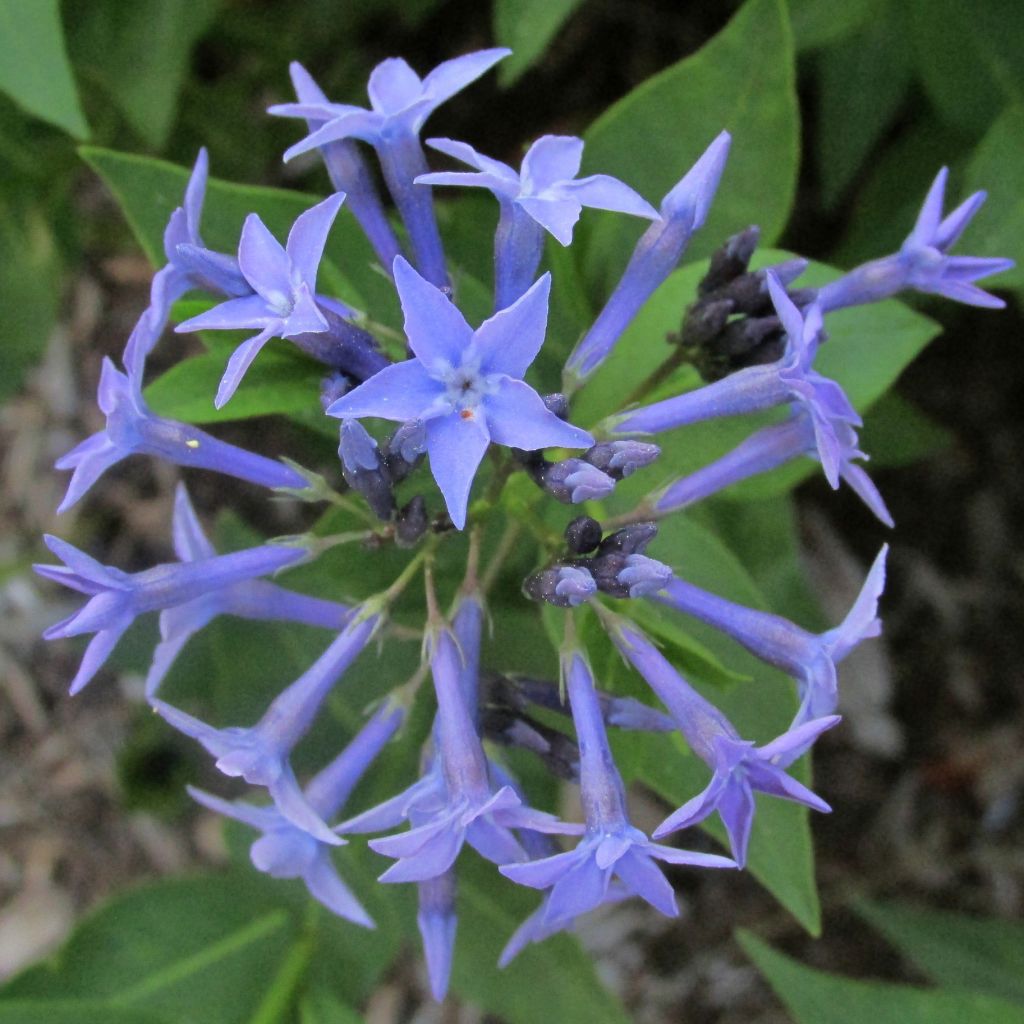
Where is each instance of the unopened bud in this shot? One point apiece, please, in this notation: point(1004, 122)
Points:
point(411, 522)
point(583, 535)
point(619, 459)
point(644, 576)
point(573, 480)
point(564, 586)
point(630, 540)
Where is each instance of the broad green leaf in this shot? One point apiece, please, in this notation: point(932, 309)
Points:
point(898, 433)
point(320, 1007)
point(526, 27)
point(72, 1011)
point(742, 81)
point(29, 290)
point(868, 348)
point(148, 190)
point(34, 67)
point(862, 81)
point(818, 24)
point(554, 980)
point(957, 952)
point(997, 166)
point(814, 997)
point(139, 52)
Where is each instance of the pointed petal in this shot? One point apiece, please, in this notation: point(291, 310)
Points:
point(517, 417)
point(465, 179)
point(509, 341)
point(558, 215)
point(775, 782)
point(695, 809)
point(736, 809)
point(354, 123)
point(580, 890)
point(928, 220)
point(85, 565)
point(865, 489)
point(971, 268)
point(411, 842)
point(393, 86)
point(671, 855)
point(240, 361)
point(541, 874)
point(434, 859)
point(861, 620)
point(494, 842)
point(97, 652)
point(308, 236)
point(194, 194)
point(291, 802)
point(468, 155)
point(164, 655)
point(263, 260)
point(455, 447)
point(692, 196)
point(325, 885)
point(262, 818)
point(603, 192)
point(401, 392)
point(305, 317)
point(214, 740)
point(91, 466)
point(792, 321)
point(551, 159)
point(952, 227)
point(644, 878)
point(190, 542)
point(437, 930)
point(392, 811)
point(785, 749)
point(454, 75)
point(235, 314)
point(436, 330)
point(961, 291)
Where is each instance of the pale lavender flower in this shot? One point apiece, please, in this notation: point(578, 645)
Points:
point(544, 196)
point(740, 768)
point(284, 303)
point(754, 388)
point(611, 846)
point(400, 102)
point(465, 386)
point(349, 173)
point(683, 210)
point(246, 599)
point(573, 481)
point(286, 851)
point(809, 658)
point(189, 265)
point(643, 575)
point(769, 448)
point(117, 598)
point(260, 754)
point(923, 262)
point(455, 802)
point(133, 429)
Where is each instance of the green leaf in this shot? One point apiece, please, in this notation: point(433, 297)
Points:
point(34, 67)
point(554, 980)
point(139, 53)
point(816, 24)
point(814, 997)
point(958, 952)
point(526, 27)
point(320, 1007)
point(742, 81)
point(997, 166)
point(897, 433)
point(71, 1011)
point(862, 81)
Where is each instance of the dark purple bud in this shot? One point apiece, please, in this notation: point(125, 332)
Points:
point(557, 750)
point(412, 522)
point(703, 321)
point(573, 480)
point(731, 260)
point(620, 459)
point(332, 387)
point(564, 586)
point(557, 403)
point(404, 449)
point(583, 535)
point(362, 468)
point(630, 540)
point(605, 569)
point(743, 336)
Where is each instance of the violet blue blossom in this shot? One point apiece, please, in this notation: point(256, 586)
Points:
point(454, 803)
point(544, 196)
point(809, 658)
point(133, 429)
point(740, 768)
point(349, 173)
point(260, 753)
point(284, 303)
point(117, 598)
point(286, 851)
point(769, 448)
point(923, 262)
point(792, 378)
point(611, 846)
point(400, 103)
point(465, 386)
point(683, 211)
point(246, 599)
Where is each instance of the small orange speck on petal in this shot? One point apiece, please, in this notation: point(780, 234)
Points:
point(466, 414)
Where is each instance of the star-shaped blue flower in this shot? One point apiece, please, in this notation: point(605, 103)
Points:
point(465, 386)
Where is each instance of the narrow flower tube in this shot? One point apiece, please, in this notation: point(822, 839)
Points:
point(739, 767)
point(809, 658)
point(656, 255)
point(260, 754)
point(133, 429)
point(437, 925)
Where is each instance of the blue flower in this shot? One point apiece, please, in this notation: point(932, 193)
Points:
point(133, 429)
point(543, 196)
point(923, 262)
point(284, 303)
point(465, 386)
point(611, 847)
point(260, 753)
point(247, 599)
point(116, 598)
point(286, 851)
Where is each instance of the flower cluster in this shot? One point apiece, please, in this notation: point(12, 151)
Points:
point(457, 395)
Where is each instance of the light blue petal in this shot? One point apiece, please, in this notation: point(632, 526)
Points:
point(517, 417)
point(509, 341)
point(436, 330)
point(308, 236)
point(455, 447)
point(401, 392)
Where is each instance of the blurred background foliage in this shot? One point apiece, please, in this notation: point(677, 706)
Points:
point(842, 115)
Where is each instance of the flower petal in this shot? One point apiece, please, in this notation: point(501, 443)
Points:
point(240, 361)
point(236, 314)
point(641, 876)
point(551, 159)
point(325, 885)
point(436, 330)
point(308, 236)
point(190, 542)
point(393, 86)
point(517, 417)
point(401, 392)
point(454, 75)
point(556, 214)
point(455, 447)
point(509, 341)
point(263, 261)
point(603, 192)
